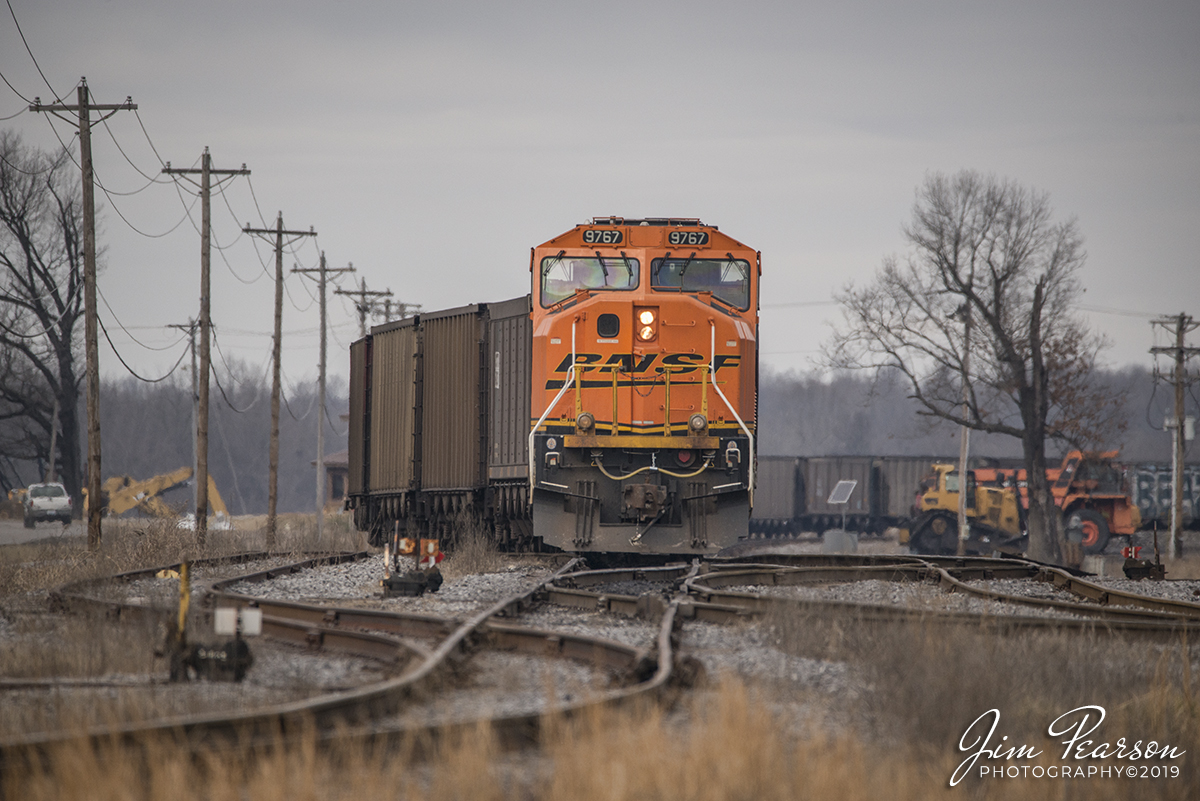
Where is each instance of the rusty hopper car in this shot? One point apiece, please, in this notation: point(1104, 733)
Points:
point(438, 405)
point(612, 409)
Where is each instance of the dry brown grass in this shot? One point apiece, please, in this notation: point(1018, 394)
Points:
point(917, 688)
point(134, 543)
point(730, 748)
point(472, 551)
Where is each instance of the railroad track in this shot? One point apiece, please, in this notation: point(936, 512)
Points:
point(426, 650)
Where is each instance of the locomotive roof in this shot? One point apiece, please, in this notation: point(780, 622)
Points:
point(654, 232)
point(690, 222)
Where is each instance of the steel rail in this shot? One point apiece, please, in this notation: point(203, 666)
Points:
point(331, 627)
point(1110, 596)
point(707, 587)
point(951, 583)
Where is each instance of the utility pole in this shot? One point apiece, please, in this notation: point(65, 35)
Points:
point(84, 107)
point(273, 486)
point(191, 330)
point(363, 306)
point(200, 475)
point(1182, 325)
point(51, 473)
point(403, 310)
point(964, 445)
point(323, 271)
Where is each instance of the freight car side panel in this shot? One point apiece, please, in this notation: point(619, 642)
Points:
point(357, 435)
point(454, 413)
point(1151, 491)
point(393, 423)
point(822, 473)
point(899, 479)
point(511, 338)
point(776, 496)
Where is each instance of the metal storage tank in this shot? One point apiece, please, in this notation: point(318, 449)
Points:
point(511, 337)
point(454, 403)
point(395, 421)
point(777, 494)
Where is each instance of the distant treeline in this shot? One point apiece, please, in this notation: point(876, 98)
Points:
point(805, 414)
point(146, 429)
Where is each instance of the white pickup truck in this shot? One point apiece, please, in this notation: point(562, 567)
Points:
point(47, 502)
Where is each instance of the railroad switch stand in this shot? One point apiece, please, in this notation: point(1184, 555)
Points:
point(228, 661)
point(1138, 569)
point(422, 574)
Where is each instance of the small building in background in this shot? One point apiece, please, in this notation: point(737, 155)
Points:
point(337, 473)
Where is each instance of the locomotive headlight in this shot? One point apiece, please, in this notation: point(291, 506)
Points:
point(647, 324)
point(697, 422)
point(585, 421)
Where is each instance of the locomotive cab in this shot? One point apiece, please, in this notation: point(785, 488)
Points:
point(644, 387)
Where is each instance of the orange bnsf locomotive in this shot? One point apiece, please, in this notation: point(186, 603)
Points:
point(645, 364)
point(612, 409)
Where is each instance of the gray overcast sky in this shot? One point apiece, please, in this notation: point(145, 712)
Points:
point(432, 144)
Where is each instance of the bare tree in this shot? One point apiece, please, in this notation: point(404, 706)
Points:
point(41, 303)
point(983, 302)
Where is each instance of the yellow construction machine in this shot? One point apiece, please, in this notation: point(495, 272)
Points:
point(994, 515)
point(123, 493)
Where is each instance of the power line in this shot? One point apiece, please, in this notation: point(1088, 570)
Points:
point(126, 330)
point(1118, 312)
point(30, 52)
point(131, 371)
point(152, 179)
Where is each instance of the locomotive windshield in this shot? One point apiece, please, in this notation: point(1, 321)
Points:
point(726, 279)
point(561, 276)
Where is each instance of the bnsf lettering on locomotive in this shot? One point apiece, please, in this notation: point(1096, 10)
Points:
point(688, 237)
point(594, 237)
point(688, 361)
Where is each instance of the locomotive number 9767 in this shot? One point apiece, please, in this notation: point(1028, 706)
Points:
point(645, 361)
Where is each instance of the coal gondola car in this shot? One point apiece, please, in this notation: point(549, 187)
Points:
point(792, 497)
point(613, 409)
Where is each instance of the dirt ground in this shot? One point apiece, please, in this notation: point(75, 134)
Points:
point(13, 532)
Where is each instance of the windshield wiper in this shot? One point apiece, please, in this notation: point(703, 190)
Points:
point(683, 269)
point(551, 265)
point(628, 267)
point(600, 259)
point(656, 272)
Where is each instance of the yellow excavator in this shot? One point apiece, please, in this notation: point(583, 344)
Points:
point(994, 515)
point(124, 493)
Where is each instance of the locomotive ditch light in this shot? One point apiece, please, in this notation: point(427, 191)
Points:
point(585, 422)
point(733, 455)
point(697, 422)
point(647, 324)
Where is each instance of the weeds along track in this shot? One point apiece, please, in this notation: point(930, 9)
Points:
point(445, 671)
point(511, 648)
